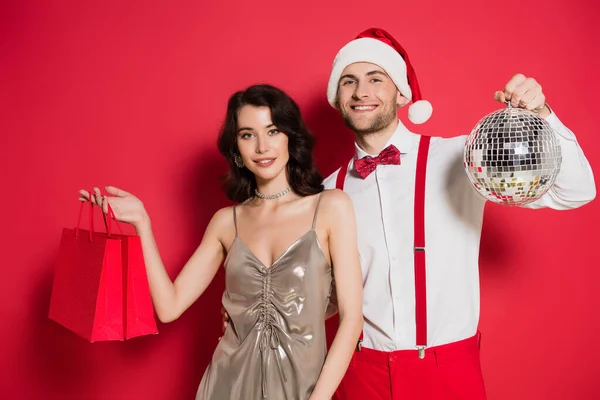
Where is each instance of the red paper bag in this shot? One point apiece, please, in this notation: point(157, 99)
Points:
point(139, 311)
point(122, 285)
point(87, 291)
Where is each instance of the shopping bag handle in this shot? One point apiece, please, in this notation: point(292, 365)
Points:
point(111, 216)
point(107, 223)
point(91, 218)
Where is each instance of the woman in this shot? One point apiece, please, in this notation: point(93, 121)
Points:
point(280, 247)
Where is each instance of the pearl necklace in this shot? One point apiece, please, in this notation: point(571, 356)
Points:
point(272, 196)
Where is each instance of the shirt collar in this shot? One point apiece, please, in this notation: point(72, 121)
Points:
point(402, 138)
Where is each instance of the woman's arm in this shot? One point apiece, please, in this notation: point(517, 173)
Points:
point(338, 210)
point(170, 299)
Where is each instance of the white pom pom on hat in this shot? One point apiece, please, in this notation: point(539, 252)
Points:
point(419, 111)
point(378, 47)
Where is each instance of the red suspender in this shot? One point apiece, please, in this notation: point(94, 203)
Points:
point(339, 184)
point(341, 178)
point(419, 249)
point(419, 245)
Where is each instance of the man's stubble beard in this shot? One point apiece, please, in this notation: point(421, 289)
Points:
point(378, 123)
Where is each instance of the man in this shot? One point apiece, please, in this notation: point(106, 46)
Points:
point(419, 225)
point(419, 238)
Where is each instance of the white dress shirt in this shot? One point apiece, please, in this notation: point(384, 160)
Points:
point(384, 207)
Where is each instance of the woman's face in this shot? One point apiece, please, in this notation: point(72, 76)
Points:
point(264, 149)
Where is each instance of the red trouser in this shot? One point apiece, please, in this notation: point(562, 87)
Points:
point(448, 372)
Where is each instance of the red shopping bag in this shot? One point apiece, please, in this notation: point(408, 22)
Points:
point(100, 289)
point(87, 291)
point(139, 311)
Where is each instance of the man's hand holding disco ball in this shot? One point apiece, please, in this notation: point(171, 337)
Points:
point(512, 156)
point(524, 92)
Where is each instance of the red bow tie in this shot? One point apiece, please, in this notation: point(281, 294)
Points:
point(388, 156)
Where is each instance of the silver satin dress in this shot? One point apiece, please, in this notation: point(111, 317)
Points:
point(275, 345)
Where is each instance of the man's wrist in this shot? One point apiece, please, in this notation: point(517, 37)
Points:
point(545, 111)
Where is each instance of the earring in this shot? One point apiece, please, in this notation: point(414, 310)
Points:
point(238, 160)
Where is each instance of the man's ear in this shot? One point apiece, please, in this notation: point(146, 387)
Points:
point(401, 101)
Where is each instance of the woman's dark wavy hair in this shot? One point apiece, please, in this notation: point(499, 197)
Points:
point(304, 178)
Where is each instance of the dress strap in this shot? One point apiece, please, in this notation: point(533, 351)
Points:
point(316, 211)
point(235, 220)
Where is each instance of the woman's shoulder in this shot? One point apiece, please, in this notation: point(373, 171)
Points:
point(336, 202)
point(223, 218)
point(335, 196)
point(222, 212)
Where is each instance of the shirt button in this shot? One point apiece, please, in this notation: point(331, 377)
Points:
point(394, 258)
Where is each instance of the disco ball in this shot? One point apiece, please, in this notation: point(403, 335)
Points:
point(512, 156)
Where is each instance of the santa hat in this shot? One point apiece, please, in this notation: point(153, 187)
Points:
point(378, 47)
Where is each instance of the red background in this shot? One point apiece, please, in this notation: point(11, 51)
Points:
point(131, 93)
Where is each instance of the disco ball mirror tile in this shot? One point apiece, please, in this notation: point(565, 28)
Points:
point(512, 157)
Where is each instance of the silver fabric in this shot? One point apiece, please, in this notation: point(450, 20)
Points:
point(275, 346)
